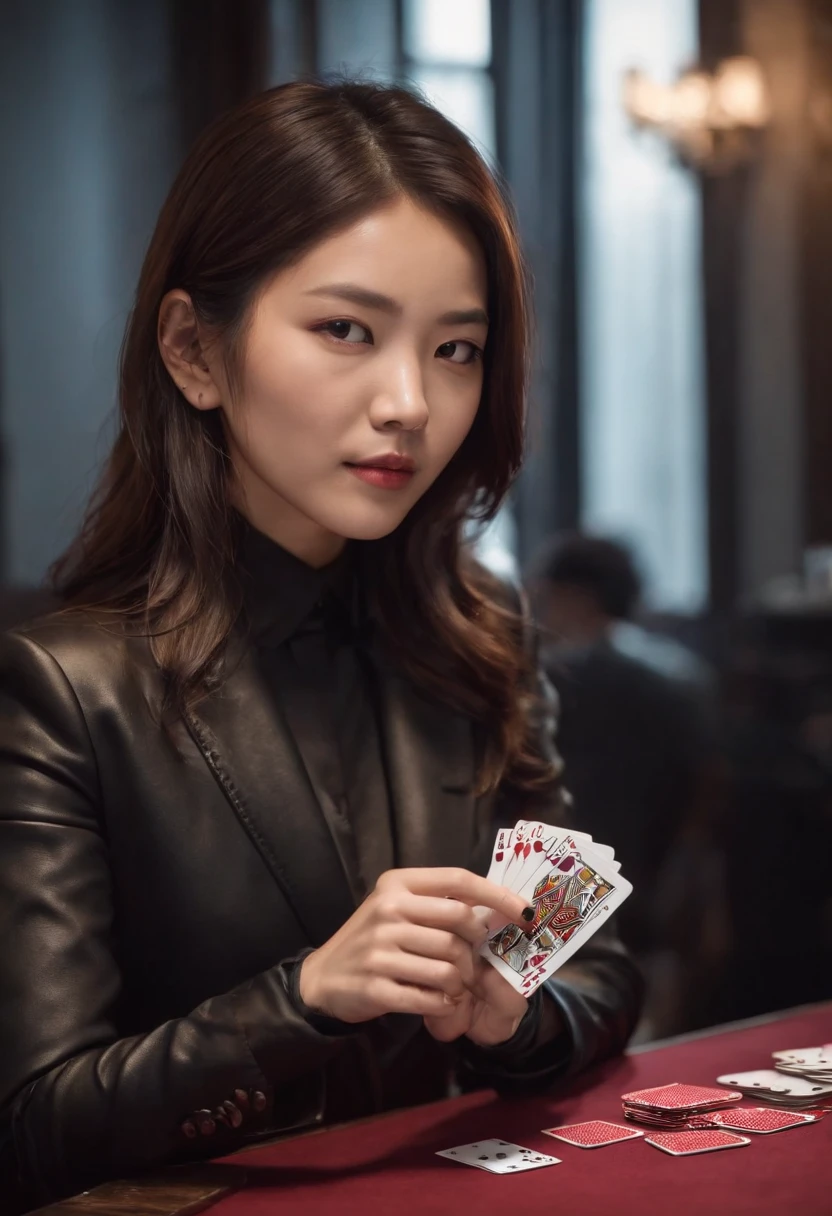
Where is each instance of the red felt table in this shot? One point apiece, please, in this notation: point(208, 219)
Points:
point(389, 1163)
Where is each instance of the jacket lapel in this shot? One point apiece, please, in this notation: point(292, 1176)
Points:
point(249, 748)
point(430, 760)
point(247, 744)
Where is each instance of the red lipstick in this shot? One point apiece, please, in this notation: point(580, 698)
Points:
point(389, 471)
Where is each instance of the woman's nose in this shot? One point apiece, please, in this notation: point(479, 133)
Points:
point(401, 403)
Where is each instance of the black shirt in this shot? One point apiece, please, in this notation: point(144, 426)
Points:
point(310, 629)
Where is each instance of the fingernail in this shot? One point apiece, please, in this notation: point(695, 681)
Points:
point(189, 1129)
point(259, 1100)
point(207, 1127)
point(233, 1113)
point(241, 1098)
point(528, 914)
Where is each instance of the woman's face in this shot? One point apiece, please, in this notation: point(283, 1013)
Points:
point(362, 376)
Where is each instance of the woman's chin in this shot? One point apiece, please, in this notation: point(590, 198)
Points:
point(362, 525)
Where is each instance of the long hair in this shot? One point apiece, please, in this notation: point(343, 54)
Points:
point(262, 186)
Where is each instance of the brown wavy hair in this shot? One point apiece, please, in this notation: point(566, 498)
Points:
point(263, 185)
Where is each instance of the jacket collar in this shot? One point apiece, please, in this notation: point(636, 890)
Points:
point(245, 740)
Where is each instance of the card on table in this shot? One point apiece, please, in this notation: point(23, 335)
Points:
point(812, 1062)
point(685, 1144)
point(762, 1119)
point(780, 1085)
point(499, 1156)
point(593, 1134)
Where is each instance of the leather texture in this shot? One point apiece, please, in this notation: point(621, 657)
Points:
point(151, 901)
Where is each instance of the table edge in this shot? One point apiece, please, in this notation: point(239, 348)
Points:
point(208, 1185)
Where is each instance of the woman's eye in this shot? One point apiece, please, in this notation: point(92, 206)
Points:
point(346, 331)
point(467, 350)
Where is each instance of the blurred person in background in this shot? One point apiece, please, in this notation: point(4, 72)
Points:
point(636, 735)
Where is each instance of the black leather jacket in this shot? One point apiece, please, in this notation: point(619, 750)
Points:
point(150, 899)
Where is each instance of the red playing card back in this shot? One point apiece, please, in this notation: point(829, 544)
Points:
point(682, 1144)
point(760, 1119)
point(592, 1134)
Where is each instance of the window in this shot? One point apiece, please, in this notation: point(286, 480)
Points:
point(447, 53)
point(641, 345)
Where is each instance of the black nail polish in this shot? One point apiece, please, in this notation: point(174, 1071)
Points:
point(528, 914)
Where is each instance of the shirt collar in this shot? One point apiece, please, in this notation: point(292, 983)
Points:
point(280, 590)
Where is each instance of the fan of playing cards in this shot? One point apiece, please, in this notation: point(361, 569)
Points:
point(573, 885)
point(800, 1080)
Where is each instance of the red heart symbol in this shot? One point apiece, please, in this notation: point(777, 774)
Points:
point(527, 850)
point(538, 846)
point(499, 857)
point(518, 848)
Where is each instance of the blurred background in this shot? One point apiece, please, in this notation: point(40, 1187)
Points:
point(671, 164)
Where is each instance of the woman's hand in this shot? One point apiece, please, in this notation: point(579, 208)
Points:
point(410, 947)
point(488, 1014)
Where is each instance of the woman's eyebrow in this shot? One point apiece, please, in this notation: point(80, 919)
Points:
point(362, 296)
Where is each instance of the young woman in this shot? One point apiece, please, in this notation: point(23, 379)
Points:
point(251, 772)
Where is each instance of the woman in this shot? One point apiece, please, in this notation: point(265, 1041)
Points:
point(252, 770)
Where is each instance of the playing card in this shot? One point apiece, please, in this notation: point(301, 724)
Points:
point(677, 1096)
point(500, 854)
point(593, 1134)
point(761, 1119)
point(812, 1056)
point(499, 1157)
point(684, 1144)
point(815, 1063)
point(767, 1080)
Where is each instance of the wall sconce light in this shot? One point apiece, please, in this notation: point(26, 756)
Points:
point(710, 121)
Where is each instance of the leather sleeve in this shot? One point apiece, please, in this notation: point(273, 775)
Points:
point(76, 1101)
point(599, 993)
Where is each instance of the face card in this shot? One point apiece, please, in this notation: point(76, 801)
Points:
point(554, 850)
point(677, 1096)
point(593, 1134)
point(685, 1144)
point(499, 1157)
point(525, 959)
point(762, 1119)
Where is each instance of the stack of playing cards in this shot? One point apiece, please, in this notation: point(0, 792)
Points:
point(794, 1092)
point(813, 1063)
point(573, 885)
point(675, 1105)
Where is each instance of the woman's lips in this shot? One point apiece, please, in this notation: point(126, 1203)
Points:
point(385, 479)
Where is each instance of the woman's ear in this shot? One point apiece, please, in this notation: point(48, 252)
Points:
point(181, 348)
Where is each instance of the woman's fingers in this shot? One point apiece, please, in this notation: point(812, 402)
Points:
point(397, 997)
point(439, 944)
point(417, 971)
point(447, 914)
point(457, 883)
